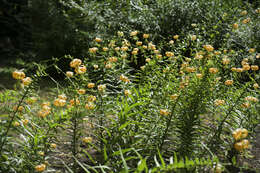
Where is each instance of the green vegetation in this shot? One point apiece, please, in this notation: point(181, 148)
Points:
point(136, 86)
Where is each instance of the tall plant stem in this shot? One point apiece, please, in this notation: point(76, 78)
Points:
point(12, 119)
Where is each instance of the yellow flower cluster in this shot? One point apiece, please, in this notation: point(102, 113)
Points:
point(60, 101)
point(19, 75)
point(79, 69)
point(240, 142)
point(46, 110)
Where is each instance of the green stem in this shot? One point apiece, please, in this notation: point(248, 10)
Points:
point(12, 119)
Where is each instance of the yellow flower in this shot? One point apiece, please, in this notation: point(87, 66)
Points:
point(120, 33)
point(124, 56)
point(101, 88)
point(127, 92)
point(45, 104)
point(19, 109)
point(25, 122)
point(237, 134)
point(75, 63)
point(156, 51)
point(243, 13)
point(124, 48)
point(108, 66)
point(93, 50)
point(91, 85)
point(59, 102)
point(133, 33)
point(254, 67)
point(62, 96)
point(239, 70)
point(252, 99)
point(256, 85)
point(31, 100)
point(171, 42)
point(158, 56)
point(92, 98)
point(246, 67)
point(90, 106)
point(53, 145)
point(41, 153)
point(134, 52)
point(81, 69)
point(16, 124)
point(229, 82)
point(164, 112)
point(169, 54)
point(190, 69)
point(87, 139)
point(244, 133)
point(145, 36)
point(174, 96)
point(225, 61)
point(18, 75)
point(40, 168)
point(238, 146)
point(208, 47)
point(117, 48)
point(245, 21)
point(193, 37)
point(245, 144)
point(95, 66)
point(69, 73)
point(73, 101)
point(26, 81)
point(213, 70)
point(199, 75)
point(245, 105)
point(43, 113)
point(112, 59)
point(176, 37)
point(139, 43)
point(219, 102)
point(98, 40)
point(124, 78)
point(105, 49)
point(235, 26)
point(142, 67)
point(81, 91)
point(147, 59)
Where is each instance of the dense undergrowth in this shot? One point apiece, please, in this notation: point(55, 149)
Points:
point(149, 100)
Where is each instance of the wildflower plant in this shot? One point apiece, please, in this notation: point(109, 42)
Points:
point(133, 104)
